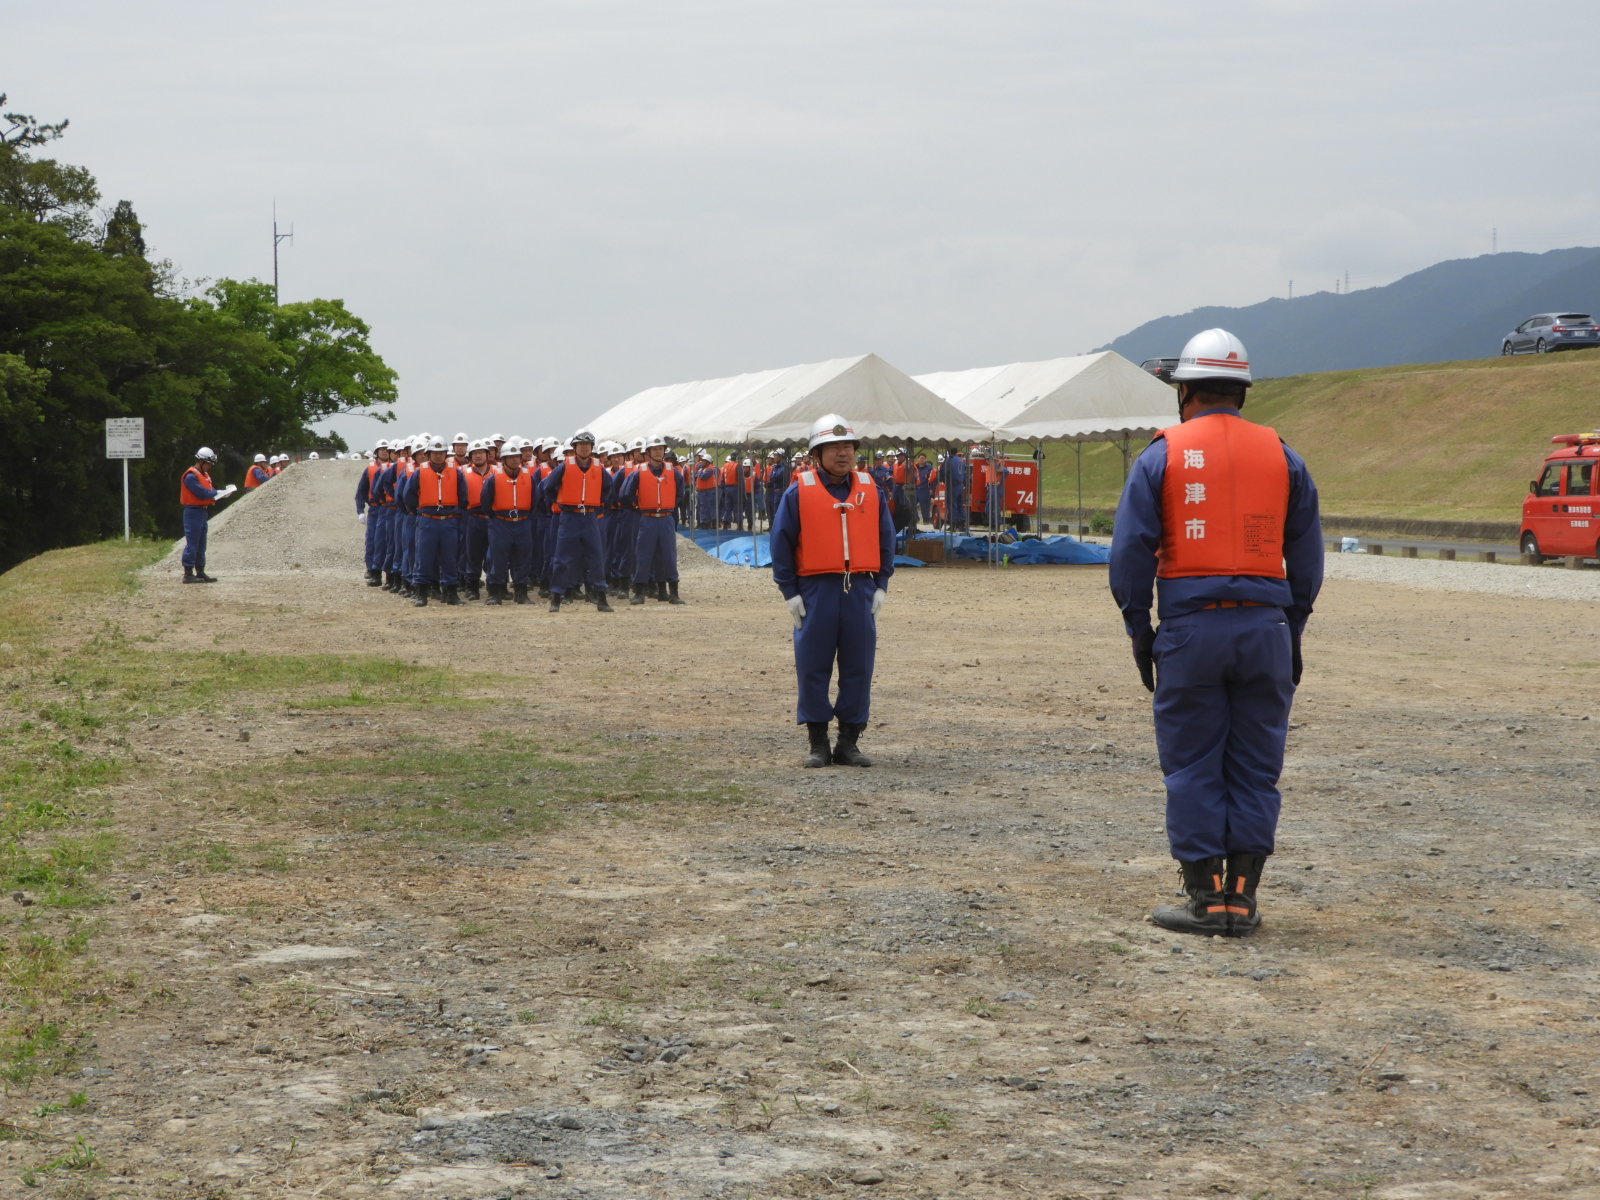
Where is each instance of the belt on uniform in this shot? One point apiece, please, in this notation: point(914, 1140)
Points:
point(581, 508)
point(438, 516)
point(513, 515)
point(656, 512)
point(1234, 604)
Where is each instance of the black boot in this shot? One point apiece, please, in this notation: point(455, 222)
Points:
point(544, 589)
point(820, 755)
point(520, 593)
point(200, 576)
point(555, 601)
point(390, 583)
point(601, 605)
point(421, 597)
point(845, 752)
point(188, 575)
point(1206, 913)
point(473, 593)
point(374, 578)
point(661, 590)
point(672, 597)
point(495, 593)
point(638, 594)
point(451, 595)
point(1244, 873)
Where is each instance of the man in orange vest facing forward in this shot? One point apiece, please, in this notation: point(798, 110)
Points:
point(832, 555)
point(1219, 520)
point(580, 490)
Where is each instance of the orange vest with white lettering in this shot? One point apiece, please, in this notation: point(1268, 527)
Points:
point(658, 494)
point(1223, 500)
point(580, 487)
point(438, 489)
point(514, 495)
point(820, 548)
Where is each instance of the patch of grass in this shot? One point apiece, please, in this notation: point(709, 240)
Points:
point(499, 785)
point(979, 1007)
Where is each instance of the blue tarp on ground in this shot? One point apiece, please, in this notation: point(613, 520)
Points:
point(1054, 549)
point(740, 548)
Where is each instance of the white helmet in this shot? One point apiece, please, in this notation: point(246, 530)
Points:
point(511, 446)
point(650, 443)
point(460, 439)
point(1213, 354)
point(381, 444)
point(832, 428)
point(205, 454)
point(437, 444)
point(313, 456)
point(638, 444)
point(259, 458)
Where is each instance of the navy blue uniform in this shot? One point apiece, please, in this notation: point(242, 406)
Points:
point(838, 628)
point(1223, 656)
point(579, 552)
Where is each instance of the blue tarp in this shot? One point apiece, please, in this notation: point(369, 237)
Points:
point(1054, 549)
point(738, 548)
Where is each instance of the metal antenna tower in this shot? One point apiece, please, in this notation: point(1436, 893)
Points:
point(276, 239)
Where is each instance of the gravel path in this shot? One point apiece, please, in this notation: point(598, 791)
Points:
point(1549, 582)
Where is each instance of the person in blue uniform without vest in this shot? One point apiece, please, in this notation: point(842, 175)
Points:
point(1219, 527)
point(832, 555)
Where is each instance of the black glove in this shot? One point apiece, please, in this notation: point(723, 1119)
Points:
point(1145, 659)
point(1299, 666)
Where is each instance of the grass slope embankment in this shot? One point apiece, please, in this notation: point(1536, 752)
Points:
point(1443, 442)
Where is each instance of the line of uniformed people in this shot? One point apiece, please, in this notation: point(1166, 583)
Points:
point(498, 517)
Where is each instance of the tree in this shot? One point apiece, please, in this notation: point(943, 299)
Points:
point(43, 188)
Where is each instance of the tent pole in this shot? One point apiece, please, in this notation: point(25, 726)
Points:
point(1077, 450)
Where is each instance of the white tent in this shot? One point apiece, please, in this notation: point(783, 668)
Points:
point(779, 407)
point(1088, 397)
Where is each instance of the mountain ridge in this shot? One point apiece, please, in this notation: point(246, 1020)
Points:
point(1457, 309)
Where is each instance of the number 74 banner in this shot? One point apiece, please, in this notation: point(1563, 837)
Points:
point(1022, 486)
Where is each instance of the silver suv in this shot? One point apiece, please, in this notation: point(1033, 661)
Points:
point(1552, 331)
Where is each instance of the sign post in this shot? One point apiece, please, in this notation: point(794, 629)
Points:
point(125, 440)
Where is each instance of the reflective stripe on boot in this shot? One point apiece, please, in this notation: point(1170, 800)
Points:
point(1244, 873)
point(1206, 912)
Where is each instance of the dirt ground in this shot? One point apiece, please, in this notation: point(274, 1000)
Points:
point(933, 978)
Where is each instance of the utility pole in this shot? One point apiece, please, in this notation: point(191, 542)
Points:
point(276, 239)
point(1494, 240)
point(1291, 289)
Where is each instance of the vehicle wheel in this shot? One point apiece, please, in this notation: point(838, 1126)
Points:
point(1540, 347)
point(1505, 350)
point(1530, 545)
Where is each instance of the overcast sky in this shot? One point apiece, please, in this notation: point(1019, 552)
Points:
point(544, 206)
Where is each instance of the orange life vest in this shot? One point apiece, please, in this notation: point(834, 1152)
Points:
point(438, 489)
point(475, 486)
point(820, 549)
point(188, 497)
point(250, 480)
point(708, 482)
point(730, 474)
point(1223, 500)
point(580, 487)
point(980, 486)
point(514, 494)
point(658, 493)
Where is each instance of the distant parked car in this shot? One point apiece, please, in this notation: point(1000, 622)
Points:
point(1161, 368)
point(1546, 332)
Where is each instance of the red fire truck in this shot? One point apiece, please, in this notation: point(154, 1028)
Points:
point(1561, 515)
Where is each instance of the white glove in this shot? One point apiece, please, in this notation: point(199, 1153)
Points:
point(878, 598)
point(362, 516)
point(797, 610)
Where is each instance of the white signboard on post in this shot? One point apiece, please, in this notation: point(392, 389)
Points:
point(125, 437)
point(125, 440)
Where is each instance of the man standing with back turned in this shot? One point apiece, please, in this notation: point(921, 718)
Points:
point(1219, 518)
point(832, 555)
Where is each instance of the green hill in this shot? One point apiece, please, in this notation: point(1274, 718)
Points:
point(1434, 442)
